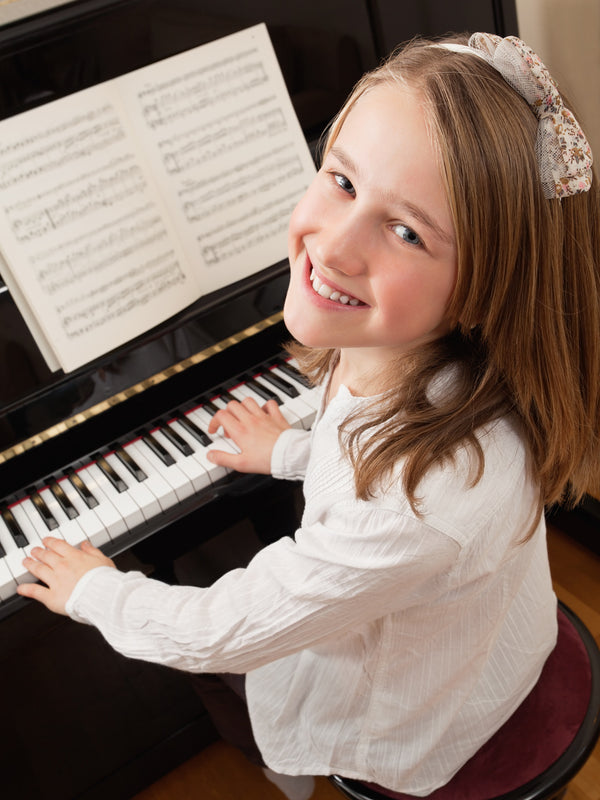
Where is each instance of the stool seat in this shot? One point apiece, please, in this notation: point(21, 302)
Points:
point(542, 745)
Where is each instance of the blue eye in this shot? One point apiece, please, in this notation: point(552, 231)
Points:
point(407, 234)
point(344, 183)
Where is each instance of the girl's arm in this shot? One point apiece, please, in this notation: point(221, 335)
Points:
point(253, 428)
point(60, 566)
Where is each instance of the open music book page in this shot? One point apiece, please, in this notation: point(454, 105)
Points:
point(124, 203)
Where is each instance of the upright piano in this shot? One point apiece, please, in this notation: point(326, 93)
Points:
point(78, 450)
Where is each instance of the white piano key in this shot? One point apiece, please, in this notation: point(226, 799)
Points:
point(188, 464)
point(8, 584)
point(137, 490)
point(173, 474)
point(310, 394)
point(20, 514)
point(88, 520)
point(14, 556)
point(156, 482)
point(127, 509)
point(214, 471)
point(36, 520)
point(114, 524)
point(69, 529)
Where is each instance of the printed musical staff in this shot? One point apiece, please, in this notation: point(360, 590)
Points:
point(122, 204)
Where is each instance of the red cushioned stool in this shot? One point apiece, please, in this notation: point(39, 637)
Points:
point(545, 742)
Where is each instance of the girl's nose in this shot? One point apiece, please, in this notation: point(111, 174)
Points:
point(341, 245)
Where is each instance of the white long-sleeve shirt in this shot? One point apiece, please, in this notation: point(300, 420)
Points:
point(378, 645)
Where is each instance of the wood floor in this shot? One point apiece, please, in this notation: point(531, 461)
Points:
point(221, 773)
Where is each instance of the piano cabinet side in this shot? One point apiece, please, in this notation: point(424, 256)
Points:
point(81, 721)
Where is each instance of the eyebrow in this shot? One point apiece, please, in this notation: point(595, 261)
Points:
point(414, 210)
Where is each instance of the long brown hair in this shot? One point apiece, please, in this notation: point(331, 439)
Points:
point(525, 312)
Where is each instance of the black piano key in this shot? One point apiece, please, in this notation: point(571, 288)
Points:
point(2, 551)
point(127, 459)
point(209, 406)
point(194, 430)
point(86, 495)
point(14, 528)
point(62, 499)
point(227, 396)
point(262, 391)
point(280, 384)
point(40, 506)
point(293, 373)
point(157, 448)
point(115, 479)
point(176, 440)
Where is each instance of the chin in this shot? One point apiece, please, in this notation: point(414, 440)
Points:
point(301, 329)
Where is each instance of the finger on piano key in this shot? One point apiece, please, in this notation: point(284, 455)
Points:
point(114, 524)
point(200, 447)
point(90, 523)
point(69, 528)
point(13, 559)
point(296, 404)
point(242, 390)
point(162, 461)
point(126, 508)
point(156, 481)
point(187, 462)
point(201, 417)
point(139, 491)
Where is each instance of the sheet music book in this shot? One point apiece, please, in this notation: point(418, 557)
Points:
point(124, 203)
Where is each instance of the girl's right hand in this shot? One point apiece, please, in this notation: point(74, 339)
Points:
point(254, 429)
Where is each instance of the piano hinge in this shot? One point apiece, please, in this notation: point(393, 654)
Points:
point(147, 383)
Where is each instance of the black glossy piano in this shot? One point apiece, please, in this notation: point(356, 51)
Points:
point(115, 452)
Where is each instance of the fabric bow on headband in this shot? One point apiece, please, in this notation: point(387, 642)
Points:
point(563, 153)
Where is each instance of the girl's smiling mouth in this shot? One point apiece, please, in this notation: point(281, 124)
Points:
point(323, 290)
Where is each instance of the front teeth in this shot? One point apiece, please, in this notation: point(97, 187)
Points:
point(326, 291)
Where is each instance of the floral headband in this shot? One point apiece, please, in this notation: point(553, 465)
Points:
point(563, 153)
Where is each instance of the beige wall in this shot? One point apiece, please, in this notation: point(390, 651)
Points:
point(566, 36)
point(10, 10)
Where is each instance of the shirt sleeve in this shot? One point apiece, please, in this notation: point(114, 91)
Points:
point(290, 454)
point(294, 594)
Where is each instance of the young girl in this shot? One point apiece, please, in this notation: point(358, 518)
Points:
point(444, 287)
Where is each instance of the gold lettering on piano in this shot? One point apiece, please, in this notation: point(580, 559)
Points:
point(159, 377)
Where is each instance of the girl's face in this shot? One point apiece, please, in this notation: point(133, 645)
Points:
point(371, 244)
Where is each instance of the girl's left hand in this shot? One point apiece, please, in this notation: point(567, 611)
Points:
point(59, 565)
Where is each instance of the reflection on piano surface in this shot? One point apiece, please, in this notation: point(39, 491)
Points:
point(116, 451)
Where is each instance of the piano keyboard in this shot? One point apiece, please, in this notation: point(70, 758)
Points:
point(112, 493)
